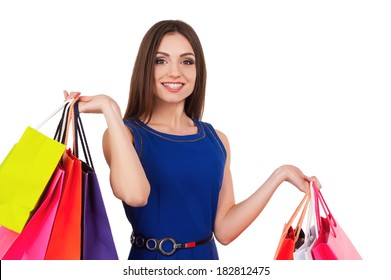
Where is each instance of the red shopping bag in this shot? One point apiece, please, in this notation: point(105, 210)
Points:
point(287, 246)
point(32, 242)
point(289, 236)
point(65, 239)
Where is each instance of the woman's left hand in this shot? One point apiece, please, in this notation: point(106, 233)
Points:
point(315, 181)
point(295, 176)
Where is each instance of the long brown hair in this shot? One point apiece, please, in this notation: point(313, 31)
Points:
point(141, 97)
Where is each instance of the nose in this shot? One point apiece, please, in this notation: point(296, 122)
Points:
point(174, 70)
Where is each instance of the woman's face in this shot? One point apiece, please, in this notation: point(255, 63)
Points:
point(175, 70)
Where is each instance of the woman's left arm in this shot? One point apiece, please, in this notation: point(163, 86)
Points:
point(231, 218)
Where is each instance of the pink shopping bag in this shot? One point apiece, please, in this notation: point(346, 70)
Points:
point(32, 242)
point(332, 242)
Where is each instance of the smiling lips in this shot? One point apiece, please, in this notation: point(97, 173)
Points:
point(173, 87)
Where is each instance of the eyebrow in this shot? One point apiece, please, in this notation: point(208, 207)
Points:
point(182, 55)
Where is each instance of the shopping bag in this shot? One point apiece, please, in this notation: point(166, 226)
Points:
point(311, 234)
point(287, 245)
point(65, 239)
point(32, 242)
point(24, 174)
point(289, 236)
point(98, 242)
point(97, 238)
point(304, 252)
point(7, 237)
point(332, 242)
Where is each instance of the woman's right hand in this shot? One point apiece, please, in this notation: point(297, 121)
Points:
point(71, 95)
point(93, 104)
point(127, 177)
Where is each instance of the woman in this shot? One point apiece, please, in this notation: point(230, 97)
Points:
point(170, 169)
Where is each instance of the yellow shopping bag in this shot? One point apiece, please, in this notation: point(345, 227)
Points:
point(24, 174)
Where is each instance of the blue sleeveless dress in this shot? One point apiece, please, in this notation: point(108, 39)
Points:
point(185, 174)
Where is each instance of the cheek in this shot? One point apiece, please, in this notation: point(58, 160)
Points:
point(191, 74)
point(156, 75)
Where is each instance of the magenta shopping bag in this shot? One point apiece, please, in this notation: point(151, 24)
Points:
point(332, 242)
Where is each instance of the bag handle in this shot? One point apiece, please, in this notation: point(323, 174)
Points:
point(304, 201)
point(319, 200)
point(312, 221)
point(80, 134)
point(66, 102)
point(59, 135)
point(71, 119)
point(303, 212)
point(62, 132)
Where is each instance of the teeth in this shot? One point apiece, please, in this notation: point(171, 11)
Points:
point(173, 86)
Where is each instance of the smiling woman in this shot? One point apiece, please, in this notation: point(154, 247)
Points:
point(303, 82)
point(170, 169)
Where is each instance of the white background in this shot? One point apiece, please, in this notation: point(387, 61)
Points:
point(289, 82)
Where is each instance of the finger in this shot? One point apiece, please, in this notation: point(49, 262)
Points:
point(317, 182)
point(74, 94)
point(66, 94)
point(307, 178)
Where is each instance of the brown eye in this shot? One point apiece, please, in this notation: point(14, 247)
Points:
point(188, 62)
point(160, 61)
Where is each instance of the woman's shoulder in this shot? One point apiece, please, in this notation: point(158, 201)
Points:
point(223, 139)
point(222, 136)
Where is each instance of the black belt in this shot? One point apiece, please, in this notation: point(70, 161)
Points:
point(154, 244)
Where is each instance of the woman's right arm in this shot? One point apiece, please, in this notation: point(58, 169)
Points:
point(127, 177)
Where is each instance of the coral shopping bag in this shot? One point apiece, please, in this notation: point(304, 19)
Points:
point(24, 174)
point(332, 242)
point(289, 236)
point(65, 239)
point(31, 243)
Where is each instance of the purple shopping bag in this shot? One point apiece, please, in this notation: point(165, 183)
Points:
point(98, 242)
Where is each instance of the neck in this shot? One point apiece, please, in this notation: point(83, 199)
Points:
point(171, 118)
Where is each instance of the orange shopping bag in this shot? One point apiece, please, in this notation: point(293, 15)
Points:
point(65, 240)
